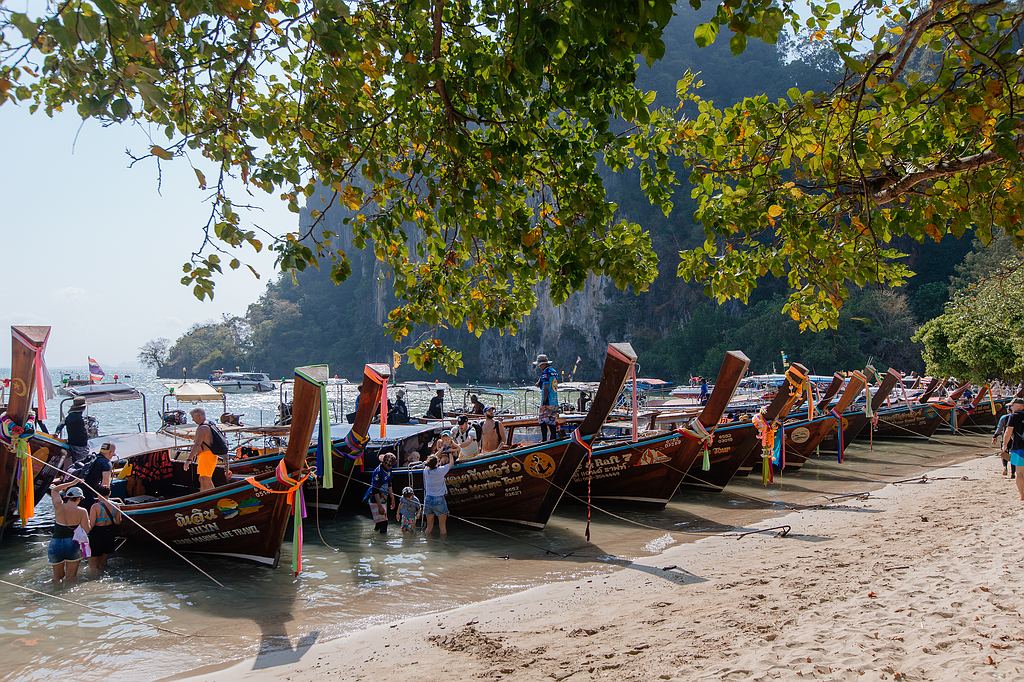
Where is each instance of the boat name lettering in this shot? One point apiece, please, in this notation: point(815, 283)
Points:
point(491, 472)
point(605, 466)
point(222, 535)
point(197, 517)
point(205, 528)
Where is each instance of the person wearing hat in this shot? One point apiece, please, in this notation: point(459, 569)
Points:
point(436, 409)
point(464, 436)
point(64, 553)
point(409, 509)
point(1013, 440)
point(492, 432)
point(548, 384)
point(398, 411)
point(77, 434)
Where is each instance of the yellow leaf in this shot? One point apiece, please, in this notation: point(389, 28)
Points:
point(201, 178)
point(896, 30)
point(161, 153)
point(531, 237)
point(774, 211)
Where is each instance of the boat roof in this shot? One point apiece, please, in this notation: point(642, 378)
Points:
point(137, 444)
point(194, 392)
point(396, 433)
point(653, 382)
point(425, 386)
point(576, 385)
point(104, 393)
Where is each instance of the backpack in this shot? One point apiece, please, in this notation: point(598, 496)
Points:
point(479, 429)
point(218, 443)
point(82, 467)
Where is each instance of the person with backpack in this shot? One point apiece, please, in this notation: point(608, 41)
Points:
point(492, 437)
point(98, 475)
point(465, 437)
point(208, 446)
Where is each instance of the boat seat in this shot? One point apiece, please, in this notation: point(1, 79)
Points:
point(141, 499)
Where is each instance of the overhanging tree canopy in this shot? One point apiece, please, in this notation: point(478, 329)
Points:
point(920, 138)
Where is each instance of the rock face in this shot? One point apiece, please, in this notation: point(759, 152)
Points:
point(563, 332)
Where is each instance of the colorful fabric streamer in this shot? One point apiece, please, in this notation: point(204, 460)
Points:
point(298, 503)
point(324, 463)
point(697, 431)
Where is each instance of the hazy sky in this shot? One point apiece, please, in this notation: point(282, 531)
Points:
point(94, 250)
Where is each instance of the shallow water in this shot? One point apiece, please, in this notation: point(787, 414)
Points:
point(370, 579)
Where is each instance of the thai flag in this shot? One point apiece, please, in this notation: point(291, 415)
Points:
point(96, 373)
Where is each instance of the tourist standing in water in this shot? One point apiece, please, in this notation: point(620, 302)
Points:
point(104, 516)
point(379, 494)
point(64, 553)
point(548, 384)
point(1013, 440)
point(435, 489)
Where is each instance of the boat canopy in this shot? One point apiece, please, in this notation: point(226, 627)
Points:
point(194, 392)
point(653, 382)
point(425, 386)
point(396, 433)
point(104, 393)
point(130, 445)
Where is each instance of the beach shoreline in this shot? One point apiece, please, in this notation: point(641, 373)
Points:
point(914, 581)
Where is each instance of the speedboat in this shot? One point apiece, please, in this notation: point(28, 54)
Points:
point(243, 382)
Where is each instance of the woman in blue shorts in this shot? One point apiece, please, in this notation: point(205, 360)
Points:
point(434, 491)
point(64, 552)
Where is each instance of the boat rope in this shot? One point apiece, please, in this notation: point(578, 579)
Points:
point(316, 506)
point(93, 608)
point(576, 438)
point(930, 439)
point(127, 515)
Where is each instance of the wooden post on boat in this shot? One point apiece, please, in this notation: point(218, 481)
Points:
point(374, 376)
point(830, 392)
point(305, 412)
point(734, 366)
point(26, 342)
point(955, 394)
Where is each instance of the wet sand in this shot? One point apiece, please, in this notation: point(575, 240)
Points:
point(905, 581)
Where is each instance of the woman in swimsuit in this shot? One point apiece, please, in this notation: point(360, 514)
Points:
point(64, 552)
point(104, 517)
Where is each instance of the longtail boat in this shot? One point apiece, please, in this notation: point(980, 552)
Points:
point(823, 404)
point(29, 379)
point(803, 436)
point(737, 443)
point(523, 485)
point(855, 420)
point(911, 420)
point(243, 518)
point(650, 470)
point(985, 410)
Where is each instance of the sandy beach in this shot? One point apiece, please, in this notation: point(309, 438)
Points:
point(916, 581)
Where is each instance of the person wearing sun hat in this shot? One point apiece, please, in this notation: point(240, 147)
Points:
point(548, 383)
point(64, 553)
point(77, 433)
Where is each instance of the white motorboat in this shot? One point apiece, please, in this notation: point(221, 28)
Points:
point(243, 382)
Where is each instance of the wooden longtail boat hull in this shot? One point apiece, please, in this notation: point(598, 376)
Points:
point(736, 444)
point(803, 437)
point(238, 519)
point(980, 416)
point(650, 470)
point(234, 520)
point(855, 421)
point(520, 486)
point(25, 340)
point(902, 422)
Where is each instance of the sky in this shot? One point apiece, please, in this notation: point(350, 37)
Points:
point(93, 249)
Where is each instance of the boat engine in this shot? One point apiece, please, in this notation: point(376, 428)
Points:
point(231, 419)
point(174, 418)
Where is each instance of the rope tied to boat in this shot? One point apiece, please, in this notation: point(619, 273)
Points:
point(578, 439)
point(296, 499)
point(17, 437)
point(697, 431)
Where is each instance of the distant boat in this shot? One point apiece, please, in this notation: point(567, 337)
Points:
point(243, 382)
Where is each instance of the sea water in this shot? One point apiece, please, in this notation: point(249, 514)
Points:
point(353, 577)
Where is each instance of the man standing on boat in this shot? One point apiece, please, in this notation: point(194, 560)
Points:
point(77, 434)
point(548, 384)
point(208, 445)
point(436, 408)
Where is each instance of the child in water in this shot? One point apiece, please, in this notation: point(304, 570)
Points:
point(409, 508)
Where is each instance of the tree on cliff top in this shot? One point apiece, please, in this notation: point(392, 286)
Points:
point(466, 135)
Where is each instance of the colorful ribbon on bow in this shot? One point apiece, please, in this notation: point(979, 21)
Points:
point(770, 446)
point(578, 439)
point(44, 385)
point(324, 463)
point(992, 402)
point(869, 409)
point(296, 500)
point(697, 431)
point(18, 438)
